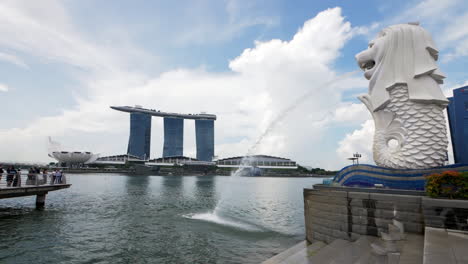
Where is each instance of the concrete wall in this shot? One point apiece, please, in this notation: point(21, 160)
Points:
point(443, 213)
point(347, 213)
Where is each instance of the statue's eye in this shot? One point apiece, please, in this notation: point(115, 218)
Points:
point(371, 45)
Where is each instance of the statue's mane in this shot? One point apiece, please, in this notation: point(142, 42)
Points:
point(409, 57)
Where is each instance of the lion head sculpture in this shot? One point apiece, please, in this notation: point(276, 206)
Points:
point(402, 54)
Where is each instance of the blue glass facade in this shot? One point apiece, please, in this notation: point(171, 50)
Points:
point(204, 130)
point(140, 135)
point(173, 137)
point(458, 120)
point(140, 132)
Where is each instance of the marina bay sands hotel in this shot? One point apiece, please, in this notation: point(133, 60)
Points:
point(140, 132)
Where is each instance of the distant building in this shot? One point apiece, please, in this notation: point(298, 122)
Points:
point(117, 159)
point(458, 121)
point(260, 161)
point(139, 142)
point(173, 137)
point(204, 130)
point(140, 132)
point(73, 157)
point(178, 160)
point(70, 158)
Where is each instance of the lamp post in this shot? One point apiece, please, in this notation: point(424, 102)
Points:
point(355, 158)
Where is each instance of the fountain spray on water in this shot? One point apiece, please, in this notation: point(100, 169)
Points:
point(247, 159)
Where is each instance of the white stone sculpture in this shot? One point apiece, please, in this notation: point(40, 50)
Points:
point(405, 99)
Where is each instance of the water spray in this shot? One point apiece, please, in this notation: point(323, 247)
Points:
point(245, 162)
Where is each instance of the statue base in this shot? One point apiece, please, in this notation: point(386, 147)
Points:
point(408, 179)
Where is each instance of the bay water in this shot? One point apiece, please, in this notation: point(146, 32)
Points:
point(112, 218)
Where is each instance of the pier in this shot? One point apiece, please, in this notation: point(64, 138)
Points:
point(29, 185)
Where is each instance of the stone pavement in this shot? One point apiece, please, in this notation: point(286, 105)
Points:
point(357, 252)
point(445, 246)
point(437, 245)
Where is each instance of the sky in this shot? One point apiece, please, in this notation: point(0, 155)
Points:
point(281, 73)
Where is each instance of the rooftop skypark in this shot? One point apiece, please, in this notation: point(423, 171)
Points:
point(153, 112)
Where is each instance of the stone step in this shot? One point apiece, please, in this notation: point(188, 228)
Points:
point(296, 254)
point(346, 252)
point(383, 247)
point(331, 252)
point(412, 249)
point(393, 258)
point(341, 251)
point(361, 247)
point(304, 255)
point(395, 232)
point(287, 253)
point(399, 225)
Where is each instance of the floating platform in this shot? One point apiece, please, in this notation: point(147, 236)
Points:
point(409, 179)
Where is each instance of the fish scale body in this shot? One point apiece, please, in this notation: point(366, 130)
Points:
point(424, 137)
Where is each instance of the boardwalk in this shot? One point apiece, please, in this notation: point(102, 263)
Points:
point(30, 184)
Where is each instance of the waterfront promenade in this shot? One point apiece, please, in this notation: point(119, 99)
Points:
point(29, 185)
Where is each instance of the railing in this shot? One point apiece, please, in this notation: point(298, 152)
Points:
point(30, 180)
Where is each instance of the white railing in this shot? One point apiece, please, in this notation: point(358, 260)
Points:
point(30, 180)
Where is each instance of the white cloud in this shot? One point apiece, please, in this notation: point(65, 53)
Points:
point(3, 88)
point(200, 23)
point(46, 30)
point(447, 88)
point(359, 141)
point(447, 21)
point(428, 9)
point(352, 113)
point(13, 59)
point(265, 80)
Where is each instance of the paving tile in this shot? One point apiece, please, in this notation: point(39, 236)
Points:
point(413, 248)
point(459, 244)
point(436, 247)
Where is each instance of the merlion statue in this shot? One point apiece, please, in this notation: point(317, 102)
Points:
point(405, 99)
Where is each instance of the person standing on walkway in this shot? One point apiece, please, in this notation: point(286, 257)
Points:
point(11, 172)
point(37, 172)
point(44, 176)
point(30, 180)
point(17, 179)
point(52, 176)
point(58, 177)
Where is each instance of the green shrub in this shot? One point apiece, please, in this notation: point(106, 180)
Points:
point(448, 184)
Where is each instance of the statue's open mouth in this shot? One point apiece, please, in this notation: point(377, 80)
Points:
point(368, 65)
